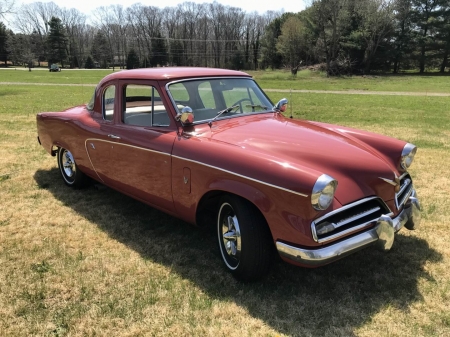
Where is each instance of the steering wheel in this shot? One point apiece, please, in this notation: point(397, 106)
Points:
point(240, 103)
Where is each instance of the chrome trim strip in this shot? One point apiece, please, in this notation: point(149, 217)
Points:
point(87, 152)
point(393, 183)
point(324, 255)
point(192, 161)
point(242, 176)
point(132, 146)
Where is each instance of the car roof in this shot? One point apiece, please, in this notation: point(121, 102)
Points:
point(173, 73)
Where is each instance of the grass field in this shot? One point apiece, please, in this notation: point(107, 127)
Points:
point(94, 262)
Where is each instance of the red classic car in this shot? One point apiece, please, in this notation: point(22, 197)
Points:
point(209, 147)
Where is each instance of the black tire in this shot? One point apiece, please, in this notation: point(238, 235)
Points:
point(245, 242)
point(70, 173)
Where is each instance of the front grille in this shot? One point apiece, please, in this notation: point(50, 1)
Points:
point(403, 194)
point(349, 218)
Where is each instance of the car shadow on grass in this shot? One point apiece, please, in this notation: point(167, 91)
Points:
point(331, 300)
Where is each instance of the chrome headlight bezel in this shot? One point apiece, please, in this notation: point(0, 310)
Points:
point(408, 153)
point(323, 192)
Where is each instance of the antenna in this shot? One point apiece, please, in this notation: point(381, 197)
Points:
point(290, 100)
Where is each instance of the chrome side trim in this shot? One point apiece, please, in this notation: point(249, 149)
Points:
point(382, 234)
point(132, 146)
point(192, 161)
point(242, 176)
point(393, 183)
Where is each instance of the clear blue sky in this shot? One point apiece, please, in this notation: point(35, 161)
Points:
point(261, 6)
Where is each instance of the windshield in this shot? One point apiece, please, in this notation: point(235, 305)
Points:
point(209, 96)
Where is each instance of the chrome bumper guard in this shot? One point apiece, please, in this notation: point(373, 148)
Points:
point(382, 235)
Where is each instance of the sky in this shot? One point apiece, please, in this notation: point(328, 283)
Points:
point(261, 6)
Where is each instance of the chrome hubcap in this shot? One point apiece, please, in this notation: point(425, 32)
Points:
point(68, 164)
point(230, 235)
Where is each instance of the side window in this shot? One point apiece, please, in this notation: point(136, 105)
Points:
point(108, 103)
point(143, 106)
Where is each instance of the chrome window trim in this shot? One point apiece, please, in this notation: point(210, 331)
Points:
point(103, 103)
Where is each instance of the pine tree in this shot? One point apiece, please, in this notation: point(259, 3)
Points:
point(57, 42)
point(132, 60)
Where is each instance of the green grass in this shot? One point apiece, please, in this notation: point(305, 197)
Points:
point(309, 80)
point(95, 262)
point(305, 80)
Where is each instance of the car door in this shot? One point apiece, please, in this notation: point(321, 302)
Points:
point(143, 135)
point(99, 143)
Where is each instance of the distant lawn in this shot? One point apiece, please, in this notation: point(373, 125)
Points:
point(311, 80)
point(306, 79)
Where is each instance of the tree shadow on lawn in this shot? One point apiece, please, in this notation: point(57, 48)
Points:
point(331, 300)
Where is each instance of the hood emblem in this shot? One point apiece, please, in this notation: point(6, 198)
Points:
point(395, 182)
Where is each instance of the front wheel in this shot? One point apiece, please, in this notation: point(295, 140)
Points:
point(245, 241)
point(70, 173)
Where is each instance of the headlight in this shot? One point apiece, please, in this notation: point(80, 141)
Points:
point(323, 192)
point(408, 155)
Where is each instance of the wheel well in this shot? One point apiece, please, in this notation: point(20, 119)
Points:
point(208, 206)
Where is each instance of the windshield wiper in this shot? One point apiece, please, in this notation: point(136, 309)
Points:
point(224, 111)
point(253, 106)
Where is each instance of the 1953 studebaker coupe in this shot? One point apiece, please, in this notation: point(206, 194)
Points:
point(196, 142)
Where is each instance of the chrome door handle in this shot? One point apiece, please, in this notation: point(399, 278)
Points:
point(113, 136)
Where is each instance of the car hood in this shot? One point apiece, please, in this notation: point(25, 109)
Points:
point(356, 166)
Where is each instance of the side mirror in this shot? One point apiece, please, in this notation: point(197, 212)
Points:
point(281, 105)
point(186, 116)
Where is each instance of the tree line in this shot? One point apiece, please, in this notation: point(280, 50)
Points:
point(338, 36)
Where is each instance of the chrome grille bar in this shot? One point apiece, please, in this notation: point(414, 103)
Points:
point(356, 217)
point(349, 218)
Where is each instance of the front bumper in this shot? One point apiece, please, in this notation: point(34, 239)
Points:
point(382, 235)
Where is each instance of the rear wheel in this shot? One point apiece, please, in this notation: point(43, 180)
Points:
point(245, 241)
point(70, 173)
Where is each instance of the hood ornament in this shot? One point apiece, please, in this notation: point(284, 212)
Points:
point(395, 182)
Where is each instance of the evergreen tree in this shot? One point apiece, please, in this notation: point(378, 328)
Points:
point(57, 42)
point(159, 51)
point(89, 63)
point(100, 50)
point(176, 53)
point(3, 37)
point(270, 56)
point(132, 60)
point(19, 48)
